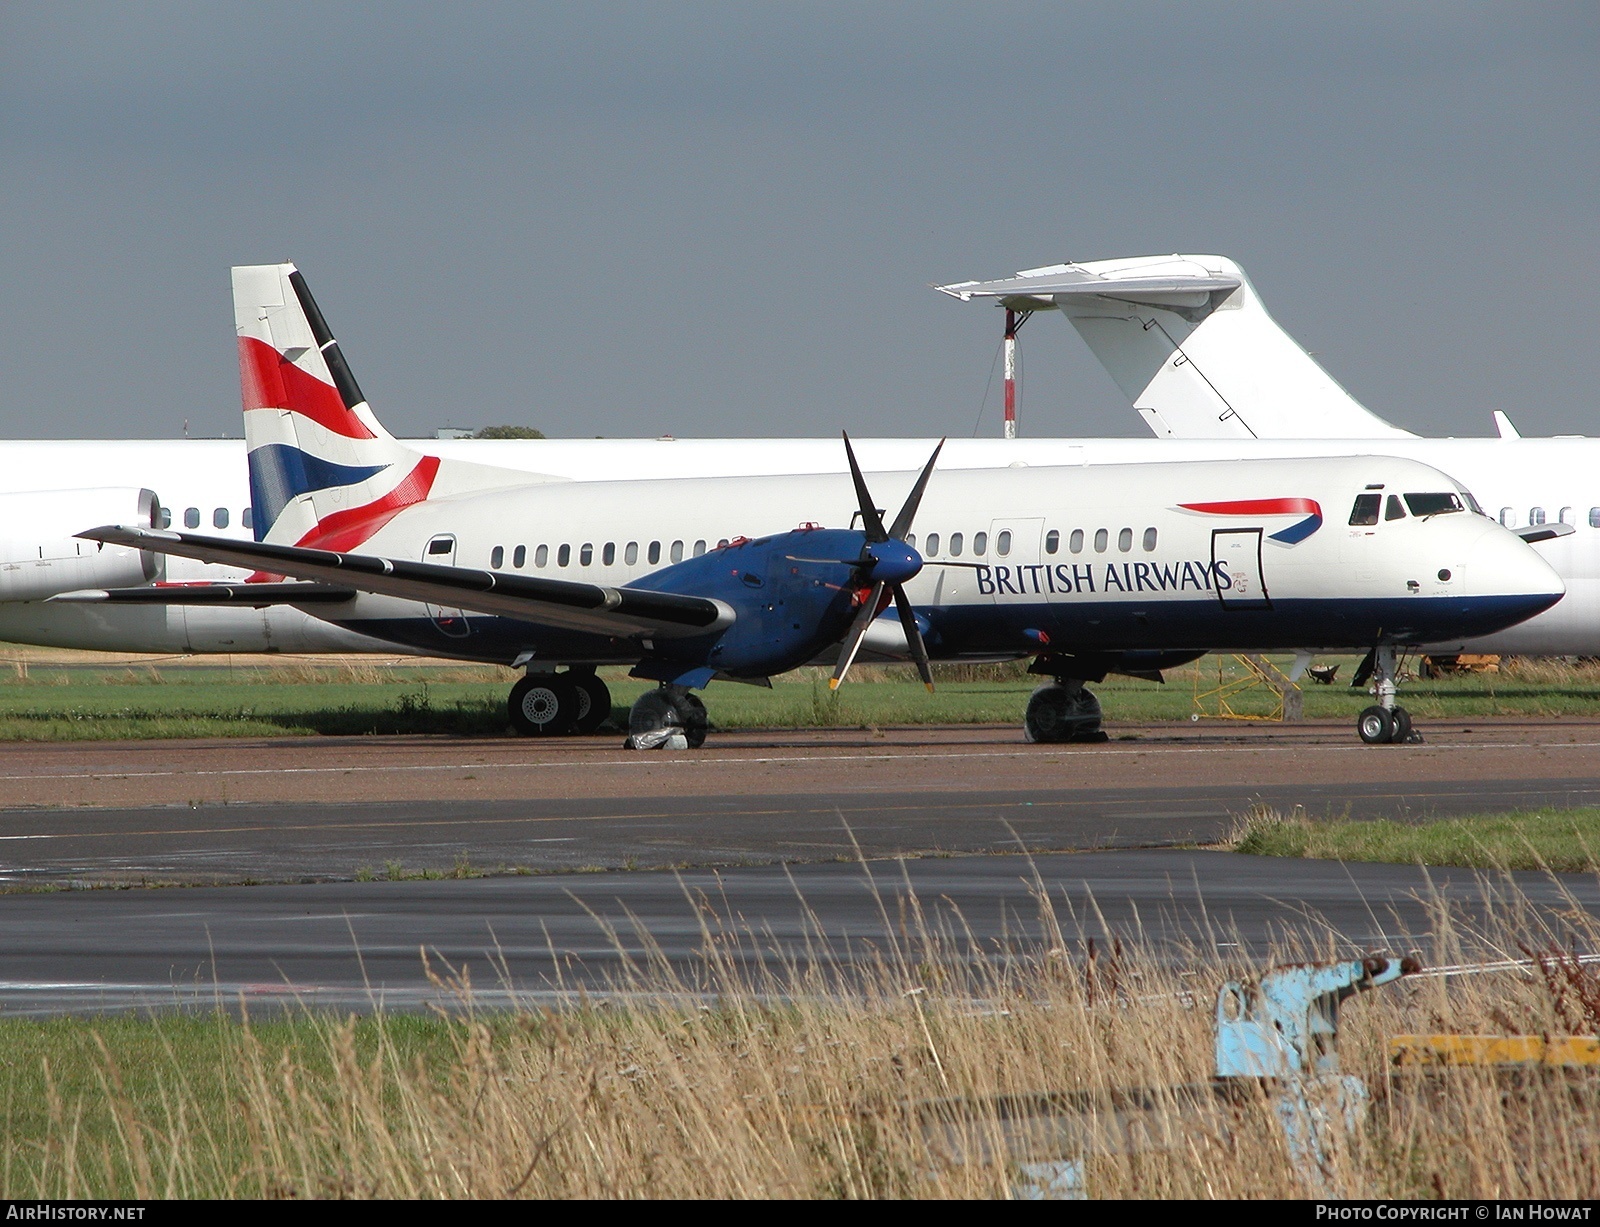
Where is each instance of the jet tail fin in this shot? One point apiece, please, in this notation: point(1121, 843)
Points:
point(1190, 343)
point(323, 470)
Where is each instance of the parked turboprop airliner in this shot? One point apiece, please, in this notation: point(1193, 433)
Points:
point(1128, 568)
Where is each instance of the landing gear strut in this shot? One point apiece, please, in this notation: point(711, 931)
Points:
point(667, 718)
point(559, 704)
point(1064, 710)
point(1384, 723)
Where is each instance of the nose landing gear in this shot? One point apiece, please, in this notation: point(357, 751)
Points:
point(1384, 723)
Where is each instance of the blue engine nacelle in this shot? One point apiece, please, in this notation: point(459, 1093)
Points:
point(794, 595)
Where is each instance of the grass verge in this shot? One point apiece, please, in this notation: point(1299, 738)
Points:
point(1564, 840)
point(793, 1070)
point(41, 701)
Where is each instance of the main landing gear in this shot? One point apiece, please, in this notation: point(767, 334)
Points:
point(559, 704)
point(1384, 723)
point(1063, 710)
point(667, 718)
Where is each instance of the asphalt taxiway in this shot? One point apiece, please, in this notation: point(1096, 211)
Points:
point(786, 838)
point(543, 939)
point(337, 808)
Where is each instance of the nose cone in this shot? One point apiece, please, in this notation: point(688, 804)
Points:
point(1512, 574)
point(894, 562)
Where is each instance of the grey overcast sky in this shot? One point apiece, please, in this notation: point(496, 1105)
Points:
point(722, 219)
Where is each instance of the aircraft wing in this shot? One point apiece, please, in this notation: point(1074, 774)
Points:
point(251, 595)
point(549, 602)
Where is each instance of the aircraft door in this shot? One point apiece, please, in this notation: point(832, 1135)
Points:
point(1016, 567)
point(441, 551)
point(1236, 554)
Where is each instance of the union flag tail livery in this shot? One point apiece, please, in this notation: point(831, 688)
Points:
point(323, 470)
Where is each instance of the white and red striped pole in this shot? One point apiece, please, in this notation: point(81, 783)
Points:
point(1011, 373)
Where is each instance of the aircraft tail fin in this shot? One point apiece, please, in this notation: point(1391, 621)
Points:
point(1190, 343)
point(323, 470)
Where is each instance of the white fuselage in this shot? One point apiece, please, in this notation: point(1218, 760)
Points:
point(197, 479)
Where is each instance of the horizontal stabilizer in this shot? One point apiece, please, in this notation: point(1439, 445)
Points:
point(1046, 285)
point(239, 595)
point(549, 602)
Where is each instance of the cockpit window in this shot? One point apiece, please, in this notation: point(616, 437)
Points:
point(1366, 509)
point(1393, 511)
point(1433, 504)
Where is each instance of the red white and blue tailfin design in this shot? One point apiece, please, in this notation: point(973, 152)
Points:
point(323, 470)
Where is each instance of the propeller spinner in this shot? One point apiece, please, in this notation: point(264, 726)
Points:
point(886, 563)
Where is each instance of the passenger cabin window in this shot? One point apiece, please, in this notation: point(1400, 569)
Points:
point(980, 544)
point(586, 554)
point(1508, 517)
point(955, 545)
point(191, 517)
point(519, 557)
point(1002, 543)
point(1433, 504)
point(541, 557)
point(1101, 539)
point(563, 555)
point(655, 553)
point(630, 553)
point(1365, 512)
point(609, 554)
point(1594, 516)
point(1125, 540)
point(677, 551)
point(1536, 515)
point(1566, 515)
point(164, 517)
point(933, 543)
point(497, 557)
point(1392, 510)
point(699, 548)
point(1052, 541)
point(247, 518)
point(1149, 540)
point(219, 518)
point(1075, 542)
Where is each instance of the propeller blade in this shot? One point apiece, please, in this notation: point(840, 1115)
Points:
point(908, 623)
point(902, 522)
point(871, 521)
point(858, 632)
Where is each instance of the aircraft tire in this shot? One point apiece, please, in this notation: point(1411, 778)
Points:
point(543, 705)
point(654, 723)
point(1403, 732)
point(1375, 726)
point(594, 703)
point(692, 716)
point(1056, 714)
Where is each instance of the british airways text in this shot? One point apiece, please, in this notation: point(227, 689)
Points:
point(1024, 579)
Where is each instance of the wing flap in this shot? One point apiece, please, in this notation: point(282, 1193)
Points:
point(553, 602)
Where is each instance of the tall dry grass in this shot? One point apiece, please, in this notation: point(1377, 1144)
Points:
point(762, 1071)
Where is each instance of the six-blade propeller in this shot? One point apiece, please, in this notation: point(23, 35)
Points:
point(884, 567)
